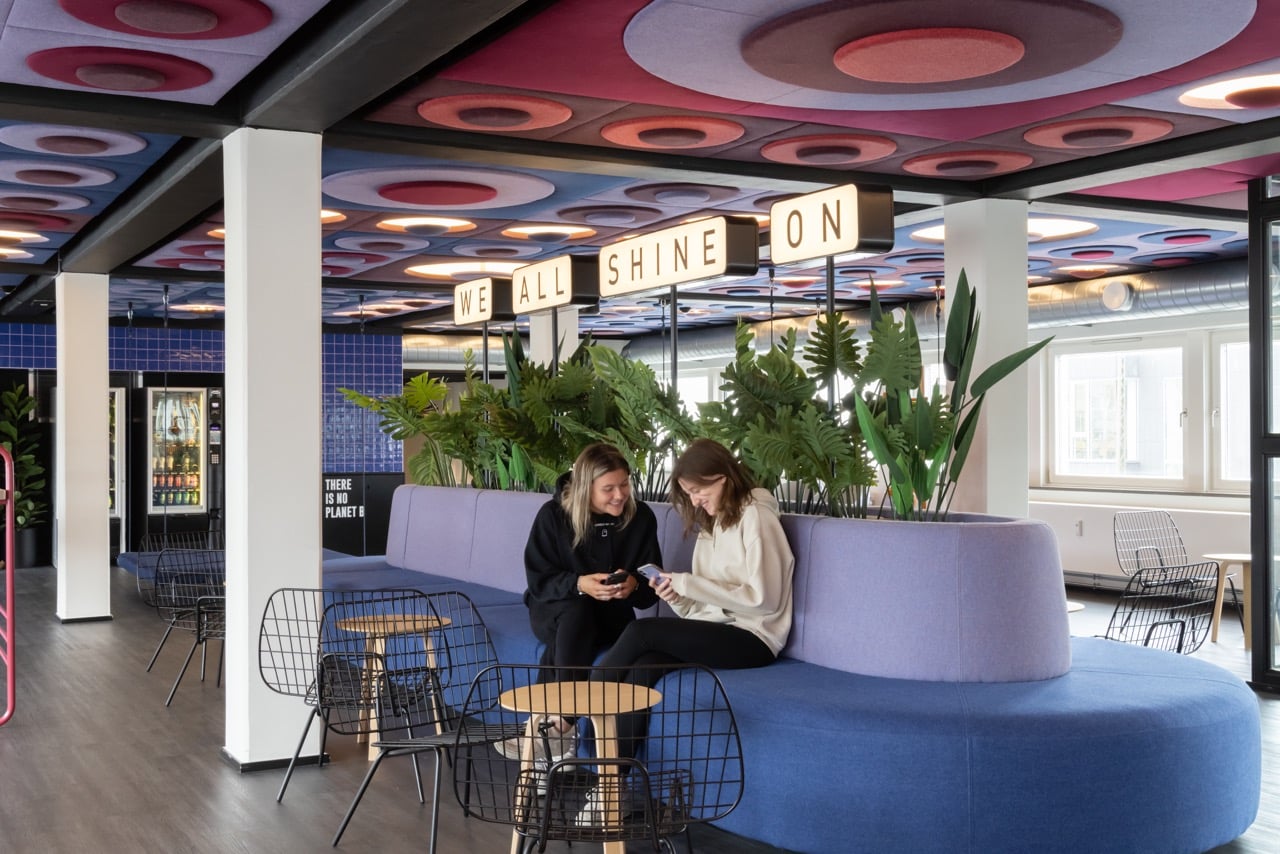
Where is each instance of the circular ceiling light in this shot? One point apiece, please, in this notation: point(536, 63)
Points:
point(1101, 132)
point(218, 233)
point(548, 233)
point(968, 164)
point(1087, 271)
point(1117, 296)
point(15, 254)
point(199, 307)
point(71, 141)
point(457, 269)
point(328, 216)
point(1244, 93)
point(174, 19)
point(829, 149)
point(426, 226)
point(14, 238)
point(118, 69)
point(1050, 228)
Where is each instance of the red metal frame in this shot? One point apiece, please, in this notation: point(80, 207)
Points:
point(6, 604)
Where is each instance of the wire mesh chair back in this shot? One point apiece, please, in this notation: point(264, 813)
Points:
point(153, 543)
point(191, 589)
point(1167, 607)
point(635, 763)
point(372, 661)
point(1146, 538)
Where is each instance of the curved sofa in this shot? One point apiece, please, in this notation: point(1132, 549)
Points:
point(929, 697)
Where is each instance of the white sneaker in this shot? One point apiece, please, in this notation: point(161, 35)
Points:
point(592, 812)
point(563, 744)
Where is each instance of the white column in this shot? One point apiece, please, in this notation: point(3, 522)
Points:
point(542, 339)
point(82, 530)
point(987, 238)
point(272, 421)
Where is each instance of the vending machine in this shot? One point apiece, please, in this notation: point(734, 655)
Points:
point(117, 486)
point(175, 447)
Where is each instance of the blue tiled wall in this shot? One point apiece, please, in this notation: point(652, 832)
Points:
point(368, 363)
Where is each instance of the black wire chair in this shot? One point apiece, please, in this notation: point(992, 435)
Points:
point(463, 651)
point(190, 595)
point(367, 662)
point(1167, 607)
point(644, 766)
point(153, 543)
point(1151, 538)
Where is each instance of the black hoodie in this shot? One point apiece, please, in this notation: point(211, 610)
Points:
point(552, 566)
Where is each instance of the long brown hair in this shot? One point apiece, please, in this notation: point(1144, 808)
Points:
point(703, 462)
point(594, 461)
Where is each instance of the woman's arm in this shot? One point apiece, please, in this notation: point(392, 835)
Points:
point(744, 570)
point(548, 566)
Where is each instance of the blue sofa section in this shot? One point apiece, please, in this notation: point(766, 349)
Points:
point(929, 697)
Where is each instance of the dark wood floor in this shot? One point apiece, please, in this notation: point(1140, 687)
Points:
point(93, 760)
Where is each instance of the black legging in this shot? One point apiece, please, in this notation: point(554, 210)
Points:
point(670, 642)
point(576, 631)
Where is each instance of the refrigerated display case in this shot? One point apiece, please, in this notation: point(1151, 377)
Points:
point(116, 495)
point(177, 450)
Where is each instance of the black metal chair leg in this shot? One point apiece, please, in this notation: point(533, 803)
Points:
point(174, 689)
point(159, 647)
point(435, 805)
point(355, 802)
point(297, 750)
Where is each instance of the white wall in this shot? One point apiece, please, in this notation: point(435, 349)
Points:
point(1088, 550)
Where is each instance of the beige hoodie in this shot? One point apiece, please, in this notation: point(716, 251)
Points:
point(742, 575)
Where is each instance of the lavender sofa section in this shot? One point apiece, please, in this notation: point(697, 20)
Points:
point(980, 600)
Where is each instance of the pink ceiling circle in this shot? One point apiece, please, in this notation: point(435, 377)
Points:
point(1185, 237)
point(366, 186)
point(1259, 98)
point(174, 19)
point(207, 264)
point(119, 69)
point(829, 149)
point(436, 194)
point(71, 141)
point(205, 250)
point(672, 132)
point(494, 112)
point(967, 164)
point(929, 55)
point(1099, 132)
point(28, 200)
point(681, 193)
point(879, 47)
point(48, 173)
point(32, 222)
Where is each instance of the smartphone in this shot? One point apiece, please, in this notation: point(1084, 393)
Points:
point(616, 578)
point(651, 571)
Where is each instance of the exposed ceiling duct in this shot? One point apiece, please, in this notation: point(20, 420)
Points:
point(1217, 286)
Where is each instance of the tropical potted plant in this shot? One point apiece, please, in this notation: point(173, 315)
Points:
point(922, 438)
point(20, 434)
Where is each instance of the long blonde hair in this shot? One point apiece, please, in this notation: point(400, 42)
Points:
point(595, 461)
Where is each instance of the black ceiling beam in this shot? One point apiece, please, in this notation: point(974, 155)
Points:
point(1194, 151)
point(348, 57)
point(184, 188)
point(115, 112)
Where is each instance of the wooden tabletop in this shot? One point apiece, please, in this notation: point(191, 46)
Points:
point(580, 698)
point(392, 624)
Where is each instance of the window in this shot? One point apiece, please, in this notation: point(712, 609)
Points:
point(1118, 415)
point(1231, 416)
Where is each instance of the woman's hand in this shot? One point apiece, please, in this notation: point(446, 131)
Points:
point(594, 585)
point(662, 584)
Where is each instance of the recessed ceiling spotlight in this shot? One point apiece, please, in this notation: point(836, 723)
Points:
point(1084, 271)
point(199, 308)
point(1244, 93)
point(218, 233)
point(328, 216)
point(549, 233)
point(13, 238)
point(454, 269)
point(7, 252)
point(426, 225)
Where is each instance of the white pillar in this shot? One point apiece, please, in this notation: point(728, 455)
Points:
point(987, 238)
point(272, 421)
point(82, 529)
point(542, 341)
